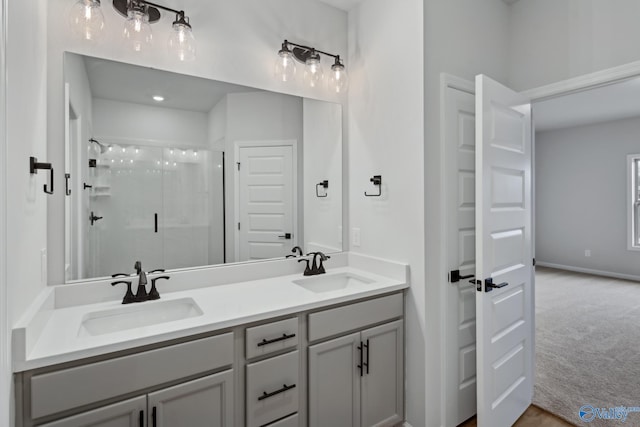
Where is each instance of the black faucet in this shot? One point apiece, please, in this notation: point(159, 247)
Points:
point(316, 267)
point(128, 297)
point(153, 293)
point(141, 292)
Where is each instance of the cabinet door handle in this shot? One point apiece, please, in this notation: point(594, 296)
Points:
point(360, 351)
point(153, 417)
point(282, 338)
point(366, 364)
point(284, 388)
point(141, 419)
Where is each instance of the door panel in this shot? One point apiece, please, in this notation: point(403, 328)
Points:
point(460, 324)
point(205, 402)
point(504, 254)
point(382, 382)
point(266, 202)
point(129, 413)
point(334, 383)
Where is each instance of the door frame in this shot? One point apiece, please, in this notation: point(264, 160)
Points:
point(5, 333)
point(237, 145)
point(553, 90)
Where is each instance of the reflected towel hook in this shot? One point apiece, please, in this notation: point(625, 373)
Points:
point(35, 166)
point(377, 181)
point(324, 184)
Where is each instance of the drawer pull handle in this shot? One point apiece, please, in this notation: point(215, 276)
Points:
point(282, 338)
point(284, 388)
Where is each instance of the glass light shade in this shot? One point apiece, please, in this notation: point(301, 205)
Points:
point(137, 31)
point(338, 78)
point(285, 68)
point(182, 44)
point(313, 71)
point(86, 19)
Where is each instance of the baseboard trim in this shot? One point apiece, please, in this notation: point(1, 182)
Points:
point(589, 271)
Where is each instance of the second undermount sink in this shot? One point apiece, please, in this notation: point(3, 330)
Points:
point(137, 316)
point(332, 282)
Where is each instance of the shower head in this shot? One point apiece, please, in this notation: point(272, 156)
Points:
point(103, 148)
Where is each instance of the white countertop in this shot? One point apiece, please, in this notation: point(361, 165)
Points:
point(50, 333)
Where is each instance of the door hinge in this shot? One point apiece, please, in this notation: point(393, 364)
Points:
point(534, 262)
point(238, 226)
point(238, 163)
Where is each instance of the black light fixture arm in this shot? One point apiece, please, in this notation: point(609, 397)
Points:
point(301, 46)
point(168, 9)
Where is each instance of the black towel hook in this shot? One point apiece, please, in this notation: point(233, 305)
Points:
point(34, 166)
point(377, 181)
point(324, 184)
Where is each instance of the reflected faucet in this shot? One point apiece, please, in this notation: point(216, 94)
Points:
point(296, 251)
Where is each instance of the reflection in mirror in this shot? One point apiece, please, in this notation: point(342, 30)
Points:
point(179, 172)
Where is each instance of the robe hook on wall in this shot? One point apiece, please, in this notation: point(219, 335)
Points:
point(324, 184)
point(35, 166)
point(377, 181)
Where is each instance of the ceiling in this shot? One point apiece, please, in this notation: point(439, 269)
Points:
point(131, 83)
point(620, 100)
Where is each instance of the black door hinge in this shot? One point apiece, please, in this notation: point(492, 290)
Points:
point(238, 163)
point(238, 226)
point(534, 262)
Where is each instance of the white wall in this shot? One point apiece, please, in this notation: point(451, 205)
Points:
point(553, 40)
point(237, 43)
point(6, 410)
point(258, 116)
point(385, 122)
point(322, 130)
point(115, 121)
point(581, 196)
point(463, 38)
point(26, 136)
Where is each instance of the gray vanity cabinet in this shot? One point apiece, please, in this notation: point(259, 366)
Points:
point(122, 414)
point(357, 379)
point(205, 402)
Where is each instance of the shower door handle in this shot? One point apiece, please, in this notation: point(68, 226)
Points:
point(155, 222)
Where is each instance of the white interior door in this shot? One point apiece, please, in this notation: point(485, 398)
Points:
point(504, 309)
point(460, 313)
point(266, 202)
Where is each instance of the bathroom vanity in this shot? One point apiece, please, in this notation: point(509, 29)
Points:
point(284, 350)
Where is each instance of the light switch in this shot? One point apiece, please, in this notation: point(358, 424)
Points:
point(355, 239)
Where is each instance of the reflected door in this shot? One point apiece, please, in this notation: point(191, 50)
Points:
point(127, 195)
point(265, 202)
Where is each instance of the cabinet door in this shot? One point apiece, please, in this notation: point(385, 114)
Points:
point(334, 383)
point(205, 402)
point(382, 383)
point(130, 413)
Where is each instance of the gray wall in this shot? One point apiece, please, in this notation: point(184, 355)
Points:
point(580, 196)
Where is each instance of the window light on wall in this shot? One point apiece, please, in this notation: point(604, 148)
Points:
point(87, 21)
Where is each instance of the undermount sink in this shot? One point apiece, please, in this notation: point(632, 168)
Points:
point(332, 282)
point(137, 316)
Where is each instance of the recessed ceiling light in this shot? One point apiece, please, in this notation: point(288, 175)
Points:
point(158, 98)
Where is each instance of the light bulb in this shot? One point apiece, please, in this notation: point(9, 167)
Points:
point(313, 70)
point(181, 43)
point(137, 31)
point(86, 19)
point(285, 67)
point(338, 78)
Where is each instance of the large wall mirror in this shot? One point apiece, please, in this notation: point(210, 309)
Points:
point(180, 172)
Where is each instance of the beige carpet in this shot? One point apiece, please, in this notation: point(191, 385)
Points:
point(587, 345)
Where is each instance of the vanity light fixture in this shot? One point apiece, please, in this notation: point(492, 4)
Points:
point(87, 20)
point(285, 67)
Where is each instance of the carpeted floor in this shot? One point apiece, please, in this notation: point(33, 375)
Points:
point(587, 345)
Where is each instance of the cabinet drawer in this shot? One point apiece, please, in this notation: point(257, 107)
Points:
point(269, 338)
point(114, 377)
point(335, 321)
point(291, 421)
point(272, 389)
